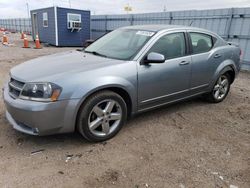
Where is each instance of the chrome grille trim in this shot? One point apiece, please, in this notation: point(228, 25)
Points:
point(15, 88)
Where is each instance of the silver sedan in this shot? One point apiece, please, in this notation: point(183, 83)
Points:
point(127, 71)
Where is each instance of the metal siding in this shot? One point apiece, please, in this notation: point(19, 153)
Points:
point(65, 36)
point(231, 24)
point(98, 27)
point(46, 34)
point(16, 25)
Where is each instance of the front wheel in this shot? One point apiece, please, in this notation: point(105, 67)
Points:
point(220, 89)
point(102, 116)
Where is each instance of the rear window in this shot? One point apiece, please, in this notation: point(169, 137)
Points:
point(201, 42)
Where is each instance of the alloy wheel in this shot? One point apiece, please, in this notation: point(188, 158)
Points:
point(104, 118)
point(221, 88)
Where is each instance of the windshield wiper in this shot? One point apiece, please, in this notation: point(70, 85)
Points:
point(96, 53)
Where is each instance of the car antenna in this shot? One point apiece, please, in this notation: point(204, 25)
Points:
point(191, 23)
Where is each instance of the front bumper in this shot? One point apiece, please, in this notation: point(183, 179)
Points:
point(39, 118)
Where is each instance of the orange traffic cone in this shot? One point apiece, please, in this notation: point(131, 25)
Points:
point(38, 45)
point(5, 39)
point(25, 42)
point(22, 35)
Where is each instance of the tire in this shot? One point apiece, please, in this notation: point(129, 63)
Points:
point(102, 116)
point(220, 89)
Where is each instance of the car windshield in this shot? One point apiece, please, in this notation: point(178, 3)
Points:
point(122, 44)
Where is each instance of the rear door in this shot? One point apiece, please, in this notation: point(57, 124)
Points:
point(205, 59)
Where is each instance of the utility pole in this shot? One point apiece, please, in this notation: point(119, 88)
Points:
point(28, 10)
point(165, 8)
point(69, 4)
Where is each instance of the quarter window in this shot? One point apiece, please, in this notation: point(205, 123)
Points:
point(45, 19)
point(171, 46)
point(201, 42)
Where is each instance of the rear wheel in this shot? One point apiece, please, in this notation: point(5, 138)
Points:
point(102, 116)
point(220, 89)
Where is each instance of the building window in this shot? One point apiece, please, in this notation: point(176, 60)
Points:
point(45, 19)
point(74, 21)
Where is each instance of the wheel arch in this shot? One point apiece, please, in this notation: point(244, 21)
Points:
point(116, 89)
point(225, 67)
point(230, 71)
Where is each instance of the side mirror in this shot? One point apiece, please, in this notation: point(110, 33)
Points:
point(155, 58)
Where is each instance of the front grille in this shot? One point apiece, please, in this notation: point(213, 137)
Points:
point(15, 88)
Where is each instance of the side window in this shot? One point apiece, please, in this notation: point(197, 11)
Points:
point(201, 42)
point(45, 19)
point(171, 46)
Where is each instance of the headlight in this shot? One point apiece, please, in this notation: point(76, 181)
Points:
point(44, 92)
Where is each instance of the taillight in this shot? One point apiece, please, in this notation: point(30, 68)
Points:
point(241, 54)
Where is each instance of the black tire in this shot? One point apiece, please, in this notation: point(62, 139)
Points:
point(210, 97)
point(88, 106)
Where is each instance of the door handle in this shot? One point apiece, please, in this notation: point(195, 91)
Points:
point(217, 56)
point(184, 63)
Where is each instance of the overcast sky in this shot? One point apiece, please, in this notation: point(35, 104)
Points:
point(17, 8)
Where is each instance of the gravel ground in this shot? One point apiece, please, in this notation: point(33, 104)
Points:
point(189, 144)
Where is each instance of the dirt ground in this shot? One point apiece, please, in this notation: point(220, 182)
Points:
point(189, 144)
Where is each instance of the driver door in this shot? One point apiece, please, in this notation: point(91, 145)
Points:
point(161, 83)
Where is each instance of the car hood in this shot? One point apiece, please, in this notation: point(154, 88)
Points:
point(58, 64)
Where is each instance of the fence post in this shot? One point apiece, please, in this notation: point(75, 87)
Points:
point(106, 24)
point(229, 23)
point(20, 26)
point(132, 19)
point(171, 18)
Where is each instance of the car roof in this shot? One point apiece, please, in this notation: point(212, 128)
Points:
point(156, 28)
